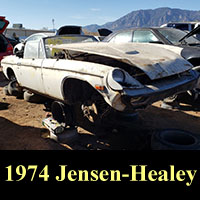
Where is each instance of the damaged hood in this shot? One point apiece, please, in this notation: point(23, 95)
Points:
point(155, 60)
point(3, 24)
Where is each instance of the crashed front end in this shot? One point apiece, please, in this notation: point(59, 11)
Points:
point(140, 80)
point(130, 98)
point(138, 75)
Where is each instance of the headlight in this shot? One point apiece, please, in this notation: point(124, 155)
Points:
point(118, 76)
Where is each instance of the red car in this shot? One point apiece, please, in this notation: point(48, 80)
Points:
point(5, 47)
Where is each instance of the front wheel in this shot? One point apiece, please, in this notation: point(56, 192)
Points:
point(96, 113)
point(90, 112)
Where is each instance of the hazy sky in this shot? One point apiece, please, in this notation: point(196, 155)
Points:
point(37, 14)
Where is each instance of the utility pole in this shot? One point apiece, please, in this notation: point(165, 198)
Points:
point(53, 22)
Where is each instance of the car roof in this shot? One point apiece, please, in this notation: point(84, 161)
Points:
point(145, 28)
point(132, 29)
point(183, 23)
point(142, 28)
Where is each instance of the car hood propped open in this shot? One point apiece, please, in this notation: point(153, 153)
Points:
point(191, 33)
point(156, 61)
point(3, 24)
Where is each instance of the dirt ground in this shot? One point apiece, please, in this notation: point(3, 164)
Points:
point(21, 127)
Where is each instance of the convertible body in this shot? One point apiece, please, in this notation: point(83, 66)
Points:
point(73, 69)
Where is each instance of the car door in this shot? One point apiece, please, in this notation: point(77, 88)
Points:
point(31, 67)
point(51, 76)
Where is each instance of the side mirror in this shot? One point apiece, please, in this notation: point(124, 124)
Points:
point(22, 41)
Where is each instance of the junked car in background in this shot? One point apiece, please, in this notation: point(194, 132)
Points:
point(64, 30)
point(168, 36)
point(5, 46)
point(103, 33)
point(70, 30)
point(14, 42)
point(184, 26)
point(19, 48)
point(98, 78)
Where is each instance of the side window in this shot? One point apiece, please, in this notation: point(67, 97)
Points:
point(31, 49)
point(122, 37)
point(144, 36)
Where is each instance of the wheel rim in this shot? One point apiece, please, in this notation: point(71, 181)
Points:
point(90, 112)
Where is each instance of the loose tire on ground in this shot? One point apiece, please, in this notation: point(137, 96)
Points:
point(173, 139)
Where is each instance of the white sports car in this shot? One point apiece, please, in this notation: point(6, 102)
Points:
point(99, 77)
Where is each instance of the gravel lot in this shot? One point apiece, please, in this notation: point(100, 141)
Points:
point(21, 127)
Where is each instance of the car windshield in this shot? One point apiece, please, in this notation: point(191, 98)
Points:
point(56, 40)
point(175, 35)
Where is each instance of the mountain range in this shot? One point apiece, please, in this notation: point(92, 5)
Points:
point(148, 18)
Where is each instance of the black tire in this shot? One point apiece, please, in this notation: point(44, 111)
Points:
point(16, 51)
point(173, 139)
point(14, 90)
point(33, 98)
point(62, 113)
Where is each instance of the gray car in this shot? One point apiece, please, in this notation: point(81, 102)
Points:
point(167, 36)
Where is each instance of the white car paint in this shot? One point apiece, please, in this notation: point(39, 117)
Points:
point(41, 72)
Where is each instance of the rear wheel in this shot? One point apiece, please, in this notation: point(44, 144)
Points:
point(5, 91)
point(11, 75)
point(14, 89)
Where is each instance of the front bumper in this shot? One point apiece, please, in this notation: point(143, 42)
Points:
point(140, 98)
